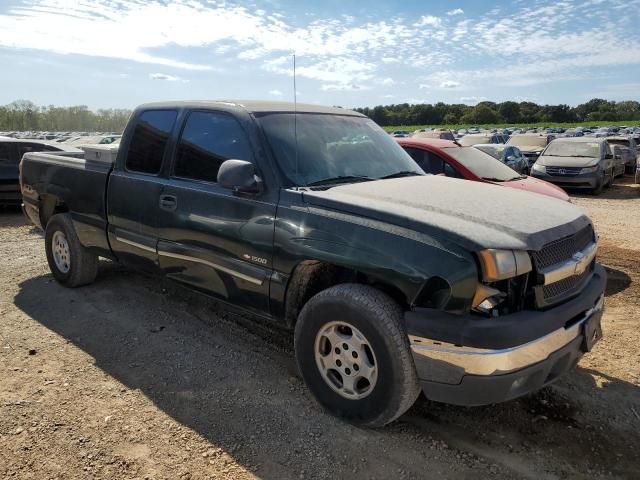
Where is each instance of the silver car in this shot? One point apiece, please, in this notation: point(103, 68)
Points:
point(577, 162)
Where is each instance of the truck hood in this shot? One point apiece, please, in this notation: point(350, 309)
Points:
point(553, 161)
point(473, 215)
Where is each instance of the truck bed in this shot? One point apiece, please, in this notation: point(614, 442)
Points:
point(53, 183)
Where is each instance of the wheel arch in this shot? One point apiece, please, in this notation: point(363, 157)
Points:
point(310, 277)
point(50, 205)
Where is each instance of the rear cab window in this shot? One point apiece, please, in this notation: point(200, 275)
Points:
point(7, 153)
point(207, 140)
point(149, 141)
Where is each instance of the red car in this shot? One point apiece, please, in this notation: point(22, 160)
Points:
point(445, 157)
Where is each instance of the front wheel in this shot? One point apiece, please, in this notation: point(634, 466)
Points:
point(71, 264)
point(611, 177)
point(354, 354)
point(597, 190)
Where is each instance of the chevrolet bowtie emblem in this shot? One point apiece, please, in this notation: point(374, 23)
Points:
point(581, 263)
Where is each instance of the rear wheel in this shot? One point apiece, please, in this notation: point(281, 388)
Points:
point(354, 354)
point(71, 264)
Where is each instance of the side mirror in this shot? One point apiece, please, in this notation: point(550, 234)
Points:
point(240, 176)
point(511, 158)
point(608, 156)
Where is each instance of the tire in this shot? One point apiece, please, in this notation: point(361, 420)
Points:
point(355, 312)
point(71, 264)
point(600, 186)
point(611, 177)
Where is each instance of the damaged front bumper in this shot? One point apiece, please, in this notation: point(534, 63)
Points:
point(494, 360)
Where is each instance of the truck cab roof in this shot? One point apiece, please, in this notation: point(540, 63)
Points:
point(251, 106)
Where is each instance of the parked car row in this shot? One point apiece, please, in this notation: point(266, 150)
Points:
point(533, 141)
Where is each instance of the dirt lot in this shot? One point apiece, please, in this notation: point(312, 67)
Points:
point(133, 377)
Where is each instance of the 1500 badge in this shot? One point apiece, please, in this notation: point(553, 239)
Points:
point(253, 258)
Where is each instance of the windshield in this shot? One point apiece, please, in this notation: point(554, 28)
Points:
point(333, 146)
point(572, 149)
point(481, 164)
point(494, 151)
point(527, 141)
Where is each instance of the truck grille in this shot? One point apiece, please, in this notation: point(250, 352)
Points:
point(557, 290)
point(563, 249)
point(560, 251)
point(563, 171)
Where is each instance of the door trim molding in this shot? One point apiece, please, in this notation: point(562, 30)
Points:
point(235, 273)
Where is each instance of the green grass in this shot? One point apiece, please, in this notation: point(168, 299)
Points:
point(411, 128)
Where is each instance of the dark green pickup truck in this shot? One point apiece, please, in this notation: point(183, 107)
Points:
point(394, 281)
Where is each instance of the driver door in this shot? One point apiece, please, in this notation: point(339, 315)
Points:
point(210, 237)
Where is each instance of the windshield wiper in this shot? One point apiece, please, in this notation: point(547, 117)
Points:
point(521, 177)
point(339, 179)
point(404, 173)
point(491, 179)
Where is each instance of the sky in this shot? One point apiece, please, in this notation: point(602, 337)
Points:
point(120, 53)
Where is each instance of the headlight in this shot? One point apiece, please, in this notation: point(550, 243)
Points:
point(539, 168)
point(501, 264)
point(589, 169)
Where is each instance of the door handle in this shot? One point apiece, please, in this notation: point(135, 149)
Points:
point(168, 202)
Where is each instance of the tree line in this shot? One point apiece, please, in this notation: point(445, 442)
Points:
point(595, 110)
point(23, 115)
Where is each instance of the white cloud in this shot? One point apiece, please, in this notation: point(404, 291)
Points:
point(428, 20)
point(275, 93)
point(472, 100)
point(163, 76)
point(341, 87)
point(525, 44)
point(387, 82)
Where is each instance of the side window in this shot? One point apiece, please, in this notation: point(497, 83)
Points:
point(449, 171)
point(427, 161)
point(433, 164)
point(416, 154)
point(208, 139)
point(149, 140)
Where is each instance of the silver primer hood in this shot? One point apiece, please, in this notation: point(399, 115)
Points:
point(472, 214)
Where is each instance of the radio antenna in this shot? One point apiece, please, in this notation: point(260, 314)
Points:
point(295, 115)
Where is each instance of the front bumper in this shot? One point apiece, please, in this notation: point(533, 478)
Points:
point(457, 373)
point(586, 180)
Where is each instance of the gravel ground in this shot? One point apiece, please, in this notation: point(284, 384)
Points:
point(135, 377)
